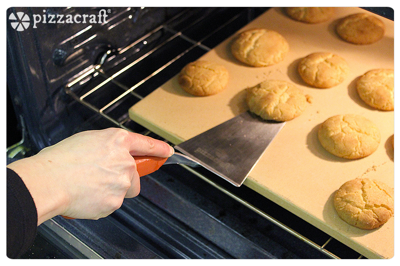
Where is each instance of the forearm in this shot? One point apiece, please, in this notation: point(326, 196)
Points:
point(21, 216)
point(37, 175)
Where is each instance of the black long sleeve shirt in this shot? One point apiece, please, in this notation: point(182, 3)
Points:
point(21, 216)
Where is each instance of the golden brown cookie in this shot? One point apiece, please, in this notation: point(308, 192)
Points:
point(276, 100)
point(203, 78)
point(360, 28)
point(364, 203)
point(349, 136)
point(376, 88)
point(323, 70)
point(310, 14)
point(260, 47)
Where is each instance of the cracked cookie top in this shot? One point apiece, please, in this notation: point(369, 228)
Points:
point(276, 100)
point(360, 28)
point(323, 70)
point(349, 136)
point(310, 14)
point(364, 203)
point(203, 78)
point(376, 88)
point(260, 47)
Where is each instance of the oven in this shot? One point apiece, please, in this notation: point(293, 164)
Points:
point(63, 78)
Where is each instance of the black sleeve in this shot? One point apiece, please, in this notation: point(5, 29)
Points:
point(21, 216)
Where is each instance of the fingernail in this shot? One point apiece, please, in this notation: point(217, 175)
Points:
point(172, 151)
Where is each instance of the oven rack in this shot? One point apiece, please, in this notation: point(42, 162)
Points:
point(81, 90)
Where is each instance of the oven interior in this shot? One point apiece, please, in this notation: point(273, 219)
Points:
point(63, 79)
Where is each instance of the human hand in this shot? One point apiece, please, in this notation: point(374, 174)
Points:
point(87, 175)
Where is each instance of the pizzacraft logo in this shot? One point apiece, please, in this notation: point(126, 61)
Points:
point(21, 21)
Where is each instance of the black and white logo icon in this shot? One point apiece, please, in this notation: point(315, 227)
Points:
point(19, 21)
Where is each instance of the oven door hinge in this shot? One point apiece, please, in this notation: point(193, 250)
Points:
point(19, 150)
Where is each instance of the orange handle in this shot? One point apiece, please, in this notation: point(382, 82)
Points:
point(144, 165)
point(148, 164)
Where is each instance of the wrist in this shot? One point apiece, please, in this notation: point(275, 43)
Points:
point(42, 185)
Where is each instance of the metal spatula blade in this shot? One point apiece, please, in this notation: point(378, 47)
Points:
point(231, 149)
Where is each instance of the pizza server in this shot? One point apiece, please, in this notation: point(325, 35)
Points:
point(229, 150)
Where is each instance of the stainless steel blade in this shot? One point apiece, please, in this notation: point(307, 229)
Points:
point(178, 158)
point(232, 148)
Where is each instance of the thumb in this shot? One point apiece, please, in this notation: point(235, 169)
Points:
point(140, 145)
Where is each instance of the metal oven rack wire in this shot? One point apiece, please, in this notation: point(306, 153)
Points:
point(101, 79)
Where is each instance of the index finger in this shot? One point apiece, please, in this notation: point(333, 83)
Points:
point(141, 145)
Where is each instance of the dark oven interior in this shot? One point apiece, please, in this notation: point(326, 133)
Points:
point(64, 79)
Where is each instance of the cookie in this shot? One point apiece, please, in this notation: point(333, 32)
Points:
point(349, 136)
point(376, 88)
point(276, 100)
point(203, 78)
point(360, 28)
point(260, 47)
point(323, 70)
point(310, 14)
point(364, 203)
